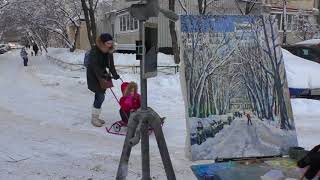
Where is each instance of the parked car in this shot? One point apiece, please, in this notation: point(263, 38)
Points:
point(3, 48)
point(309, 51)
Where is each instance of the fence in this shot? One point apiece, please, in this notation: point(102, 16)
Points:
point(167, 70)
point(160, 69)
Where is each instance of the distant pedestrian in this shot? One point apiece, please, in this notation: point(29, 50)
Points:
point(24, 55)
point(35, 49)
point(249, 119)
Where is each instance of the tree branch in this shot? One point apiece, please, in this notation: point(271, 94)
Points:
point(183, 6)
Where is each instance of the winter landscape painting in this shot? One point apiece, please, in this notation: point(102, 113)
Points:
point(235, 88)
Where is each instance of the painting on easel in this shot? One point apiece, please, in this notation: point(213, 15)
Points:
point(235, 88)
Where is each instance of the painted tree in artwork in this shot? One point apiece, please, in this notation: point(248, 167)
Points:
point(271, 50)
point(210, 58)
point(262, 71)
point(256, 81)
point(243, 63)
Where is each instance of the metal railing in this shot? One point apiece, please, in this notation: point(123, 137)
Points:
point(160, 69)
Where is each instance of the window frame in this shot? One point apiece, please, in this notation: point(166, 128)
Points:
point(127, 23)
point(292, 24)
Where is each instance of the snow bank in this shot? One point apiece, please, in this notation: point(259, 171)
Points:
point(64, 55)
point(310, 41)
point(301, 73)
point(306, 107)
point(130, 59)
point(306, 113)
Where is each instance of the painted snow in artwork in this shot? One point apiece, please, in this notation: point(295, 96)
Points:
point(235, 87)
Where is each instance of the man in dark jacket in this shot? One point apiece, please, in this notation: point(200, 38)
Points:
point(98, 78)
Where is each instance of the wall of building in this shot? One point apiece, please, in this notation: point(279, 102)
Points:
point(296, 8)
point(295, 4)
point(84, 41)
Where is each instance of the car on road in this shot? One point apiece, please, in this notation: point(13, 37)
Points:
point(4, 48)
point(309, 50)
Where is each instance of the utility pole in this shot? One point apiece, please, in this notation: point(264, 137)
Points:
point(145, 117)
point(284, 22)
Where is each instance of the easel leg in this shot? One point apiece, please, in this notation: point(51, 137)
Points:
point(156, 125)
point(125, 155)
point(145, 150)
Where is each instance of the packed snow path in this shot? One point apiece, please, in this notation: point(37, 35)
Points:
point(260, 138)
point(45, 130)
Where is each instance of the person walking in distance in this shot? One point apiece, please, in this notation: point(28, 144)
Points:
point(35, 49)
point(249, 119)
point(24, 55)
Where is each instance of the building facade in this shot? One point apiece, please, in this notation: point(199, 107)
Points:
point(299, 21)
point(301, 18)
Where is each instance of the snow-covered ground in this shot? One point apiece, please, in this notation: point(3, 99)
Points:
point(45, 124)
point(45, 130)
point(307, 119)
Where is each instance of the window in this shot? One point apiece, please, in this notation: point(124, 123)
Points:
point(291, 21)
point(279, 21)
point(123, 23)
point(128, 23)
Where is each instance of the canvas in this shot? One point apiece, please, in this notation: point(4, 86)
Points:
point(234, 86)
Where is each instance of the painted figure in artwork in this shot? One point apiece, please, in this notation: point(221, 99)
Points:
point(200, 134)
point(249, 119)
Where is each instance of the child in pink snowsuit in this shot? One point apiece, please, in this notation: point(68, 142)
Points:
point(130, 101)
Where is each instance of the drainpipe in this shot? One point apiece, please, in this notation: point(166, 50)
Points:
point(284, 22)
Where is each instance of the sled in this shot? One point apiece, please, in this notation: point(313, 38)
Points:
point(120, 128)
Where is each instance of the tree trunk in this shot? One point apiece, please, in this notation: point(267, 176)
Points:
point(41, 42)
point(282, 105)
point(173, 33)
point(88, 21)
point(74, 46)
point(93, 21)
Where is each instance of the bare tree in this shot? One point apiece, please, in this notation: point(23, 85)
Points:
point(173, 33)
point(203, 66)
point(46, 19)
point(270, 47)
point(247, 4)
point(305, 28)
point(3, 4)
point(88, 7)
